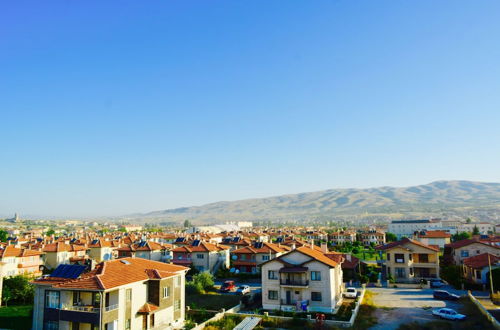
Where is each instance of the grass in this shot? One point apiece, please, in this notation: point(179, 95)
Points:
point(16, 317)
point(212, 301)
point(365, 318)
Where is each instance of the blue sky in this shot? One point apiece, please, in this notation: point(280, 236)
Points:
point(115, 107)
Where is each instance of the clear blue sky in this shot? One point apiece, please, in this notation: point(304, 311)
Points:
point(113, 107)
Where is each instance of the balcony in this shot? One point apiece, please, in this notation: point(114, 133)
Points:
point(183, 261)
point(81, 314)
point(294, 283)
point(111, 307)
point(290, 302)
point(86, 309)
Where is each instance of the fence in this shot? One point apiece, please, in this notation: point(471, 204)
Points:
point(218, 316)
point(484, 311)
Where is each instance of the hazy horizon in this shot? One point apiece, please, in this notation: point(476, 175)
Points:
point(111, 109)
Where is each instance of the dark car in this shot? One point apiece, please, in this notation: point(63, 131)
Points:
point(228, 286)
point(445, 295)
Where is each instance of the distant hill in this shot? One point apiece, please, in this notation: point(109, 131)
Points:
point(433, 199)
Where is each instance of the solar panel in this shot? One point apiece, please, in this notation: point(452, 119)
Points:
point(226, 240)
point(279, 240)
point(258, 245)
point(95, 242)
point(196, 242)
point(68, 271)
point(179, 239)
point(142, 244)
point(236, 239)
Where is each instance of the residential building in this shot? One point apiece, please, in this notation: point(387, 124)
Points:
point(101, 250)
point(342, 237)
point(302, 279)
point(456, 252)
point(248, 259)
point(408, 260)
point(202, 256)
point(434, 237)
point(476, 269)
point(128, 293)
point(484, 228)
point(62, 253)
point(20, 261)
point(372, 237)
point(406, 228)
point(147, 250)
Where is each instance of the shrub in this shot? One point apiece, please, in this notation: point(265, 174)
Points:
point(205, 279)
point(194, 288)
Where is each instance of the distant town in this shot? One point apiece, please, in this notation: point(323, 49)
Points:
point(78, 275)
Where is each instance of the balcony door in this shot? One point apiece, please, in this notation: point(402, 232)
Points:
point(288, 297)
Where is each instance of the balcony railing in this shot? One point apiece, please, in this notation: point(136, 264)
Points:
point(87, 309)
point(111, 307)
point(294, 282)
point(290, 302)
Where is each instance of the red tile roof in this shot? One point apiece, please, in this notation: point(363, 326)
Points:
point(406, 241)
point(434, 234)
point(481, 260)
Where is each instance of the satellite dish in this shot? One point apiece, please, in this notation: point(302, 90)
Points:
point(234, 257)
point(232, 270)
point(237, 271)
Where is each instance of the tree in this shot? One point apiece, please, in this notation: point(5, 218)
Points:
point(187, 223)
point(6, 295)
point(18, 289)
point(469, 220)
point(205, 279)
point(50, 232)
point(460, 236)
point(390, 237)
point(475, 231)
point(3, 235)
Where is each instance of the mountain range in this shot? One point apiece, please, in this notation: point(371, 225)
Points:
point(436, 199)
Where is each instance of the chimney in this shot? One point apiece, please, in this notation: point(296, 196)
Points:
point(294, 246)
point(324, 248)
point(312, 244)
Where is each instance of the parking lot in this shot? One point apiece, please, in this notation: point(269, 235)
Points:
point(401, 306)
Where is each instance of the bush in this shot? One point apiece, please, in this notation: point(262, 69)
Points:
point(18, 289)
point(194, 288)
point(205, 280)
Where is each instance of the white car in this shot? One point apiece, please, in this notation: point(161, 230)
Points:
point(244, 289)
point(351, 293)
point(448, 313)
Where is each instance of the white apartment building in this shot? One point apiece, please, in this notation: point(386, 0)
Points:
point(302, 279)
point(406, 228)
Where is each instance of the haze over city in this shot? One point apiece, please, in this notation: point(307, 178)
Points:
point(113, 109)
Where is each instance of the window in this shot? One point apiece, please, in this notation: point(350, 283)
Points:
point(265, 257)
point(410, 257)
point(272, 275)
point(52, 299)
point(400, 272)
point(464, 253)
point(127, 324)
point(423, 257)
point(272, 295)
point(478, 274)
point(166, 292)
point(243, 257)
point(478, 251)
point(399, 257)
point(128, 294)
point(315, 276)
point(177, 305)
point(388, 256)
point(316, 296)
point(200, 256)
point(51, 325)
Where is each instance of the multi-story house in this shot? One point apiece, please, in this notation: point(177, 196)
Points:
point(434, 237)
point(101, 250)
point(236, 242)
point(342, 237)
point(456, 252)
point(147, 250)
point(476, 269)
point(302, 279)
point(202, 256)
point(129, 293)
point(408, 260)
point(20, 261)
point(247, 259)
point(62, 253)
point(406, 228)
point(372, 237)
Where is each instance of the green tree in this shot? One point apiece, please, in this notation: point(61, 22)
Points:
point(205, 279)
point(50, 232)
point(19, 289)
point(475, 231)
point(6, 295)
point(3, 235)
point(187, 223)
point(390, 237)
point(469, 220)
point(460, 236)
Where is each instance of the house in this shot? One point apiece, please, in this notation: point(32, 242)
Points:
point(433, 237)
point(342, 237)
point(302, 279)
point(146, 250)
point(18, 261)
point(202, 256)
point(129, 293)
point(372, 237)
point(248, 258)
point(476, 269)
point(101, 250)
point(456, 252)
point(62, 253)
point(409, 260)
point(350, 264)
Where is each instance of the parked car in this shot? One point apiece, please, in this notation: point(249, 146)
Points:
point(351, 293)
point(445, 295)
point(227, 286)
point(448, 313)
point(243, 289)
point(437, 283)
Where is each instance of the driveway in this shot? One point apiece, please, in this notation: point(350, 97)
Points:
point(399, 306)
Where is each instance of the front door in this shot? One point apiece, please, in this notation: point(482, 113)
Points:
point(288, 297)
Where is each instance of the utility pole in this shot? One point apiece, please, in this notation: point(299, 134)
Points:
point(491, 278)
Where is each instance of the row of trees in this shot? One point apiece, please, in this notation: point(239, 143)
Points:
point(17, 290)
